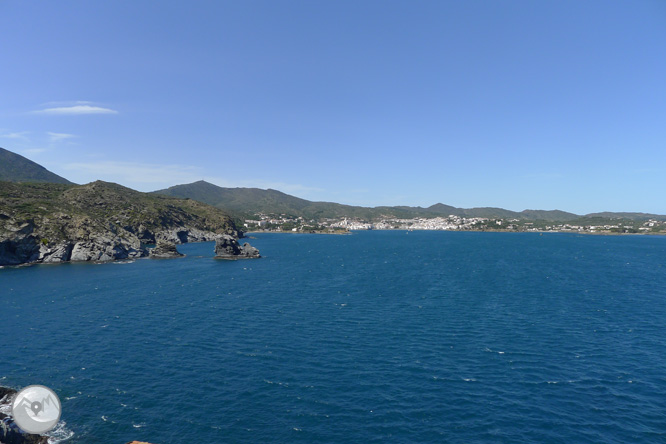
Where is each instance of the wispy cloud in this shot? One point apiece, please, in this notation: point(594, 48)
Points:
point(75, 110)
point(34, 151)
point(57, 137)
point(150, 177)
point(133, 173)
point(23, 135)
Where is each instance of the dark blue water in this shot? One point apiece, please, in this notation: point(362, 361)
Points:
point(374, 337)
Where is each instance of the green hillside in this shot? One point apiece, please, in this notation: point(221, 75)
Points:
point(16, 168)
point(248, 201)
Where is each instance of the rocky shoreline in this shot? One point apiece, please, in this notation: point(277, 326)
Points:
point(25, 248)
point(104, 249)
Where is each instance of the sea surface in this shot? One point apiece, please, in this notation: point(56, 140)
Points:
point(375, 337)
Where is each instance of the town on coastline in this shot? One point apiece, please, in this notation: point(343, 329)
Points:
point(286, 223)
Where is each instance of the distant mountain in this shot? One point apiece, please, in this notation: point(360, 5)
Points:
point(440, 209)
point(16, 168)
point(629, 216)
point(238, 199)
point(552, 215)
point(254, 200)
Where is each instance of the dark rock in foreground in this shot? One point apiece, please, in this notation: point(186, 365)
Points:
point(165, 249)
point(227, 247)
point(9, 431)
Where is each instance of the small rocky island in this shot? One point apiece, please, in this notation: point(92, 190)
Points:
point(101, 221)
point(227, 247)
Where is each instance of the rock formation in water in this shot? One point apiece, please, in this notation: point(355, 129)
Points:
point(99, 221)
point(165, 249)
point(227, 247)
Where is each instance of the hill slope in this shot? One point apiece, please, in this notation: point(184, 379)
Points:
point(16, 168)
point(255, 200)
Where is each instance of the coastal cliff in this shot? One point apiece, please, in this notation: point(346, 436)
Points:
point(99, 221)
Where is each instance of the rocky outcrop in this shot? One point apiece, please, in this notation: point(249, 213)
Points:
point(9, 431)
point(85, 240)
point(227, 247)
point(103, 252)
point(164, 250)
point(19, 243)
point(185, 235)
point(249, 251)
point(61, 252)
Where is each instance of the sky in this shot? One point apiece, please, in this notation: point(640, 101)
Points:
point(513, 104)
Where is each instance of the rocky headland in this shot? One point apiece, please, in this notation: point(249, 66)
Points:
point(99, 221)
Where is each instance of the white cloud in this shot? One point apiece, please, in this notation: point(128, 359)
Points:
point(76, 110)
point(16, 135)
point(65, 103)
point(57, 137)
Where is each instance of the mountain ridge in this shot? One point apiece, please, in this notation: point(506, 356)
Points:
point(249, 201)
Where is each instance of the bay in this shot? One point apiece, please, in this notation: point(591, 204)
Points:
point(382, 336)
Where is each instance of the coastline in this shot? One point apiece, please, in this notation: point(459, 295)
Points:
point(605, 233)
point(148, 247)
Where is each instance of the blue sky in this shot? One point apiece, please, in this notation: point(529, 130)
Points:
point(515, 104)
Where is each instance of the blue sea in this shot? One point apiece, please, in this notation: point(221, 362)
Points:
point(375, 337)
